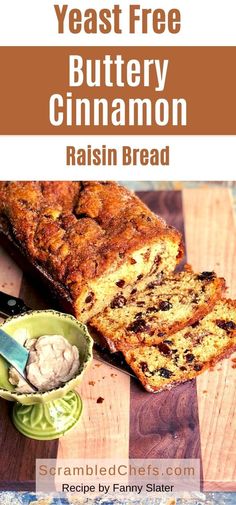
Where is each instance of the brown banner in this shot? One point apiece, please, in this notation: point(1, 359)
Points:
point(203, 76)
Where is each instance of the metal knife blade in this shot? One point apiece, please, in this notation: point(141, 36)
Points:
point(116, 359)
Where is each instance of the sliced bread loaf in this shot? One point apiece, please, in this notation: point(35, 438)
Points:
point(89, 241)
point(188, 352)
point(166, 305)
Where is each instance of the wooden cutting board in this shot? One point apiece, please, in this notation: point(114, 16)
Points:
point(195, 420)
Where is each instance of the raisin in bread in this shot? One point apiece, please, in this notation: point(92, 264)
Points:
point(91, 241)
point(167, 304)
point(188, 352)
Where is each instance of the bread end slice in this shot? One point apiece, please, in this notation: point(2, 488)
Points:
point(187, 353)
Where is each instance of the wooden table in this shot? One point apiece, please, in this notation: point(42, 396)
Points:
point(195, 420)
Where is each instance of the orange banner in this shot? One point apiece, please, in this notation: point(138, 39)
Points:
point(118, 90)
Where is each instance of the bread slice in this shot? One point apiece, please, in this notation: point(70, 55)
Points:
point(168, 304)
point(188, 352)
point(90, 241)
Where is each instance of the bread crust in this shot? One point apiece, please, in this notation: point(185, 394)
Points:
point(58, 292)
point(74, 233)
point(109, 338)
point(226, 353)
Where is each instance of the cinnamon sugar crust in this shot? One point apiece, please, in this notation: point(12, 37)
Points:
point(94, 239)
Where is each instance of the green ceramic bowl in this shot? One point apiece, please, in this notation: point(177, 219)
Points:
point(46, 415)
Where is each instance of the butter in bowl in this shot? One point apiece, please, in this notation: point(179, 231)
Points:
point(60, 350)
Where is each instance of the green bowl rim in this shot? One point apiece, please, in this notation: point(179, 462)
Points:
point(81, 369)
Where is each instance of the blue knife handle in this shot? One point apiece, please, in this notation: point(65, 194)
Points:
point(11, 306)
point(12, 351)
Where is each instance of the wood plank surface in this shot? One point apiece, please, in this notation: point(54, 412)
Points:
point(211, 244)
point(104, 428)
point(130, 421)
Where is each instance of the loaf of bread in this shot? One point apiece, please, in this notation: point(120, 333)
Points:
point(92, 241)
point(167, 304)
point(188, 352)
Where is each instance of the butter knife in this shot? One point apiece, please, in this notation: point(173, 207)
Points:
point(13, 306)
